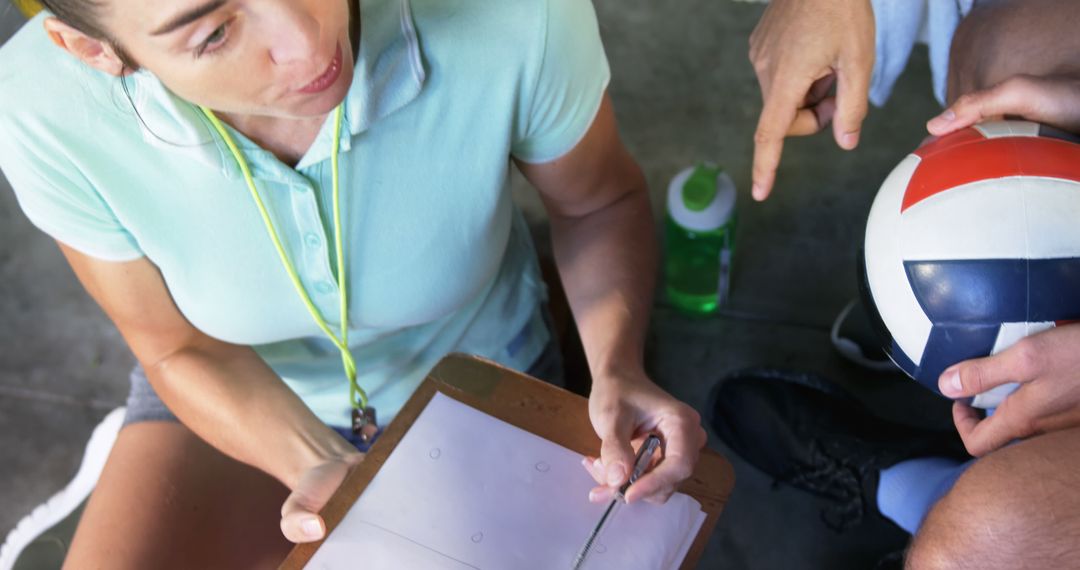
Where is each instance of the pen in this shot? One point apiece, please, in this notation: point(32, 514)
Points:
point(641, 463)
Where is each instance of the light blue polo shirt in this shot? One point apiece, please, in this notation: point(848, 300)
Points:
point(438, 257)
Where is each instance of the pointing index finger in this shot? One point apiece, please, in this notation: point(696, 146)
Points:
point(777, 115)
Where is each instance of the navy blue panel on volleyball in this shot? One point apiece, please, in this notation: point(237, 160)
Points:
point(1055, 290)
point(952, 343)
point(968, 300)
point(1051, 132)
point(971, 290)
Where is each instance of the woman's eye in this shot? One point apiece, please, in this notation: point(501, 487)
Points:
point(214, 41)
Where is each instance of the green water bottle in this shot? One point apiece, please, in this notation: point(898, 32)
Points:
point(699, 239)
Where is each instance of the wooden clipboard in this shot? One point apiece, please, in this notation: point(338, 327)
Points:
point(530, 404)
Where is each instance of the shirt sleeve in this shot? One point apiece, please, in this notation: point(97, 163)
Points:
point(569, 87)
point(58, 199)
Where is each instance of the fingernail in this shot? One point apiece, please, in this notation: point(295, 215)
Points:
point(941, 121)
point(850, 140)
point(598, 465)
point(757, 192)
point(592, 496)
point(311, 527)
point(949, 384)
point(615, 474)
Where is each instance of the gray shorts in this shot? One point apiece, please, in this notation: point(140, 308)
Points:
point(143, 404)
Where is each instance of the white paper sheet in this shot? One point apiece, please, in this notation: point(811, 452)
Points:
point(463, 490)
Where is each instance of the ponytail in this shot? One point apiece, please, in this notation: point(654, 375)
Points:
point(29, 8)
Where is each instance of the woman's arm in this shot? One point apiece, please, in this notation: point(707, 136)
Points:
point(223, 392)
point(605, 247)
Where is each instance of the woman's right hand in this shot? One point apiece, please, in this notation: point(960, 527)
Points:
point(300, 520)
point(1051, 100)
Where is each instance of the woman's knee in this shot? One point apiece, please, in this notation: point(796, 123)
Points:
point(166, 499)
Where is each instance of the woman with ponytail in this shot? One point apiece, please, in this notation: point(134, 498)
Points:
point(291, 209)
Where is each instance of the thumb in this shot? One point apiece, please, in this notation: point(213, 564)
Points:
point(616, 453)
point(1009, 97)
point(1048, 100)
point(300, 521)
point(973, 377)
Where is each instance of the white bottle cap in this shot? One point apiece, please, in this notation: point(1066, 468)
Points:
point(695, 204)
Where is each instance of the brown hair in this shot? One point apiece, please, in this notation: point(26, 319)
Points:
point(83, 15)
point(79, 14)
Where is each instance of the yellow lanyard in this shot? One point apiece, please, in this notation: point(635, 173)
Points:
point(357, 397)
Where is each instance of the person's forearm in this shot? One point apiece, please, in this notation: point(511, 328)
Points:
point(228, 396)
point(607, 261)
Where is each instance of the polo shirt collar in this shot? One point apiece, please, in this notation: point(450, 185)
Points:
point(389, 73)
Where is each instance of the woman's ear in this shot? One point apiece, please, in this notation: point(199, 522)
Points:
point(96, 53)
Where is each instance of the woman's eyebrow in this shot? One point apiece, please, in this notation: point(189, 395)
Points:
point(184, 18)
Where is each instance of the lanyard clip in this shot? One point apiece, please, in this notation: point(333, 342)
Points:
point(364, 424)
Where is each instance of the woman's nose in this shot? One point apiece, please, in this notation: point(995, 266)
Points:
point(294, 34)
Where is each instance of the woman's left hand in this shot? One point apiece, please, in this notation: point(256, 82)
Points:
point(626, 409)
point(1047, 367)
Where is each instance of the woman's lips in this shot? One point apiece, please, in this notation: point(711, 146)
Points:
point(328, 77)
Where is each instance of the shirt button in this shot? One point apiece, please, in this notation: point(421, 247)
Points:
point(324, 287)
point(312, 240)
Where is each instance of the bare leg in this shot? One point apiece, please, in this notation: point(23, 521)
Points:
point(166, 499)
point(1003, 38)
point(1016, 508)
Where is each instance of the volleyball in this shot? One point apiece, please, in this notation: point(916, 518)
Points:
point(972, 243)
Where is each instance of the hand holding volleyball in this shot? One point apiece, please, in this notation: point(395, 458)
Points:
point(973, 244)
point(1047, 368)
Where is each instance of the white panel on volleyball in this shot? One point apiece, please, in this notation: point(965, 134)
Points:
point(952, 224)
point(1008, 129)
point(1054, 205)
point(896, 302)
point(1012, 332)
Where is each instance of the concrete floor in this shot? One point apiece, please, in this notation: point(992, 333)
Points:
point(684, 92)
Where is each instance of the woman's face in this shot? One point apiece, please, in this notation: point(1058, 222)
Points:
point(281, 58)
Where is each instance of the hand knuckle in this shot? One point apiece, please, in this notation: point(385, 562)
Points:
point(860, 60)
point(972, 377)
point(690, 415)
point(760, 64)
point(756, 49)
point(1027, 353)
point(1016, 82)
point(1022, 425)
point(965, 100)
point(763, 137)
point(682, 471)
point(606, 411)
